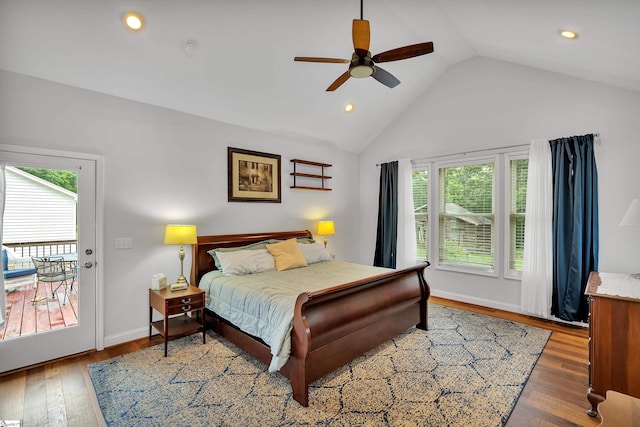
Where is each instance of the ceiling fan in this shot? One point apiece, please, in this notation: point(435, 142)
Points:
point(363, 64)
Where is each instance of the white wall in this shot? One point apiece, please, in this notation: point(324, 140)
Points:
point(483, 103)
point(166, 167)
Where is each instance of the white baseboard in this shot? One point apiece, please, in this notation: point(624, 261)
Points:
point(474, 300)
point(126, 336)
point(497, 305)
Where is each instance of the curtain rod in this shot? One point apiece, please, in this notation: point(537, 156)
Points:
point(484, 150)
point(487, 150)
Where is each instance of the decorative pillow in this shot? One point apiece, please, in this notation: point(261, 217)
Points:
point(260, 245)
point(287, 255)
point(314, 252)
point(249, 261)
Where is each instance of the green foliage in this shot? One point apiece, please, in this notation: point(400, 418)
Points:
point(470, 186)
point(65, 179)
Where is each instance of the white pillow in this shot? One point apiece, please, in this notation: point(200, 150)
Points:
point(314, 252)
point(247, 261)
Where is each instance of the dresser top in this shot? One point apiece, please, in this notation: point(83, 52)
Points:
point(613, 285)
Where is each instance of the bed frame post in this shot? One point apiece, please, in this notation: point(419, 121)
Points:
point(426, 292)
point(300, 341)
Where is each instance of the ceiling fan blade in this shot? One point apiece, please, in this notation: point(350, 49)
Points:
point(339, 81)
point(361, 36)
point(329, 60)
point(404, 52)
point(385, 77)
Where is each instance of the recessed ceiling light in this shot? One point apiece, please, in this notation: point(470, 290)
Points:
point(348, 108)
point(133, 21)
point(569, 34)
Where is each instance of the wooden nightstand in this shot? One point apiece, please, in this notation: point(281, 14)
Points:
point(178, 309)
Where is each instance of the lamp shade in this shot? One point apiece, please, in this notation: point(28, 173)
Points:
point(326, 228)
point(177, 234)
point(632, 216)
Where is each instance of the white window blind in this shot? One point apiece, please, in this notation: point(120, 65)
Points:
point(517, 209)
point(466, 215)
point(420, 182)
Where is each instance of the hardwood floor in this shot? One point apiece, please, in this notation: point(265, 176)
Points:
point(59, 393)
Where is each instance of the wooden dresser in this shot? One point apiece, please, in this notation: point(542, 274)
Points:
point(614, 336)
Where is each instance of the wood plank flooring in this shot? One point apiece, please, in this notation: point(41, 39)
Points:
point(25, 318)
point(59, 393)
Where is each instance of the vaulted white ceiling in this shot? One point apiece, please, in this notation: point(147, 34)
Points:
point(241, 69)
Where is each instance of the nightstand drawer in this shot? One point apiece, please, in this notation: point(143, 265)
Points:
point(185, 305)
point(189, 299)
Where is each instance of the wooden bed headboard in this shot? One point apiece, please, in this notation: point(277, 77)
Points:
point(202, 262)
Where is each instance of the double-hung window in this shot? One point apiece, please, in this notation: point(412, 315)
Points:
point(470, 212)
point(466, 219)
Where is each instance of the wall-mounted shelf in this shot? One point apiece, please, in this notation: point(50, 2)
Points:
point(322, 177)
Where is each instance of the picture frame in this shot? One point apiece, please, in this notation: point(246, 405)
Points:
point(253, 176)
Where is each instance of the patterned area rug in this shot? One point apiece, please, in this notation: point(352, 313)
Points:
point(467, 370)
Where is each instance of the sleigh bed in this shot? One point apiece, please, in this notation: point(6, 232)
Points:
point(331, 326)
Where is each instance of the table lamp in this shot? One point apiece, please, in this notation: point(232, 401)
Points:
point(177, 234)
point(326, 228)
point(632, 219)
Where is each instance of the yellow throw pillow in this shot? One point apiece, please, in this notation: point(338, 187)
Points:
point(287, 255)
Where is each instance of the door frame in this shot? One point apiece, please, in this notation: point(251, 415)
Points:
point(99, 220)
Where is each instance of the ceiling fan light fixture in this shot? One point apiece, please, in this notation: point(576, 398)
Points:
point(569, 34)
point(361, 71)
point(361, 66)
point(348, 108)
point(133, 21)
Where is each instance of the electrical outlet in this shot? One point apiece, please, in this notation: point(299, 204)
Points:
point(123, 242)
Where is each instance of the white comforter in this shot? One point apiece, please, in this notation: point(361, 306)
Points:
point(262, 304)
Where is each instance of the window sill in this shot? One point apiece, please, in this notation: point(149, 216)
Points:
point(467, 270)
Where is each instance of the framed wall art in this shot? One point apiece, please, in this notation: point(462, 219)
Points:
point(253, 176)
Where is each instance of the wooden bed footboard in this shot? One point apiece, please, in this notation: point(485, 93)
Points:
point(333, 326)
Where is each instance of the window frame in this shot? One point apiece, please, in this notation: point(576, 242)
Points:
point(501, 158)
point(435, 219)
point(509, 273)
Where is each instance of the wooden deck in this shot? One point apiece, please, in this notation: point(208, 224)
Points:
point(25, 318)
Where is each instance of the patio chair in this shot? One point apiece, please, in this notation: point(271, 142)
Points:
point(54, 270)
point(16, 273)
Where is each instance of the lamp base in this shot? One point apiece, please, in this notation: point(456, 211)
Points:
point(181, 284)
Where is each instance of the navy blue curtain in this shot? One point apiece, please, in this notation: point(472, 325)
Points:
point(575, 224)
point(387, 234)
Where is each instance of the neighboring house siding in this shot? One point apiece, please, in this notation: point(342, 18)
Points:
point(36, 210)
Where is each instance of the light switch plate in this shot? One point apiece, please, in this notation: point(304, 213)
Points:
point(123, 242)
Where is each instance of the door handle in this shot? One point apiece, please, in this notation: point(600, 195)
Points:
point(87, 265)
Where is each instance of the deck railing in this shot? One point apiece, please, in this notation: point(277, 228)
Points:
point(44, 248)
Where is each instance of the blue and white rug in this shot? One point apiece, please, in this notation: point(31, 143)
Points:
point(467, 370)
